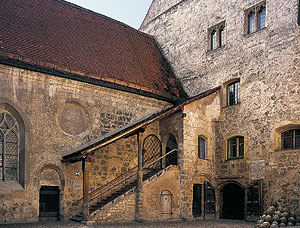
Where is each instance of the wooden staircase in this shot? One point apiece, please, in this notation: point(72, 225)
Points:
point(113, 195)
point(119, 186)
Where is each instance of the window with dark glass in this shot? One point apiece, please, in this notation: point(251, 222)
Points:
point(214, 40)
point(261, 18)
point(291, 139)
point(216, 36)
point(256, 18)
point(233, 93)
point(251, 22)
point(298, 12)
point(236, 147)
point(201, 147)
point(9, 146)
point(222, 36)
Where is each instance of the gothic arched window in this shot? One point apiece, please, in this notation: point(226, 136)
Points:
point(9, 147)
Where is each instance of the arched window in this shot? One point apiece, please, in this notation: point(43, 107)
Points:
point(251, 22)
point(214, 43)
point(9, 147)
point(261, 18)
point(222, 36)
point(151, 151)
point(233, 93)
point(216, 36)
point(291, 139)
point(201, 147)
point(235, 147)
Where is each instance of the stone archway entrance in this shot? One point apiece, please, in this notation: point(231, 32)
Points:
point(172, 158)
point(233, 199)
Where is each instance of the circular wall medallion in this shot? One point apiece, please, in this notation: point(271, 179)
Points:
point(73, 118)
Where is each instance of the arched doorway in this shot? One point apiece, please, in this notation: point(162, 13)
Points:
point(233, 197)
point(171, 159)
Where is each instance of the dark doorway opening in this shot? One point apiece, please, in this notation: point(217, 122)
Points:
point(233, 202)
point(197, 200)
point(209, 201)
point(171, 159)
point(49, 203)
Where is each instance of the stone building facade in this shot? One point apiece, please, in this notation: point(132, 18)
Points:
point(265, 63)
point(111, 135)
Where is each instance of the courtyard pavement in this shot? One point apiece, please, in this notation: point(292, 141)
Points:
point(181, 224)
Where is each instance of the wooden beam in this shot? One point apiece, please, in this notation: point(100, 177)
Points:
point(86, 173)
point(140, 160)
point(138, 198)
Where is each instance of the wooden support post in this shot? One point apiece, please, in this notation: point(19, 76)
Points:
point(138, 202)
point(86, 172)
point(140, 161)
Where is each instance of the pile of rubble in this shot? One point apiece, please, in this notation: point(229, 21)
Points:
point(276, 216)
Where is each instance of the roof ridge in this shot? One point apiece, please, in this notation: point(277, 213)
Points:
point(102, 15)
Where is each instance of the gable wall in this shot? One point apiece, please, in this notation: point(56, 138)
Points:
point(60, 115)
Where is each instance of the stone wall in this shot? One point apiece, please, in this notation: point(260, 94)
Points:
point(107, 164)
point(166, 184)
point(265, 62)
point(59, 115)
point(199, 121)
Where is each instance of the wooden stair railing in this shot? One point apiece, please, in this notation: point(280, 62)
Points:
point(127, 178)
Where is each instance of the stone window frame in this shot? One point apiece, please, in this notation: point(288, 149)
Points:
point(237, 93)
point(4, 107)
point(225, 92)
point(200, 156)
point(295, 139)
point(279, 144)
point(239, 155)
point(9, 146)
point(256, 11)
point(217, 29)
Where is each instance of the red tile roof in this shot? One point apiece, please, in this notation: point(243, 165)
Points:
point(55, 33)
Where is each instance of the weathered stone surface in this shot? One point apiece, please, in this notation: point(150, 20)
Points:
point(265, 62)
point(59, 115)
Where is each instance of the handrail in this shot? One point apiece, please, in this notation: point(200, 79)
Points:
point(119, 182)
point(148, 165)
point(101, 188)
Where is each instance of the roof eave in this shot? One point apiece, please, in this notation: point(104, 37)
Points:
point(5, 60)
point(129, 130)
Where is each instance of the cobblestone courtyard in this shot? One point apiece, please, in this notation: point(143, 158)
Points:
point(190, 224)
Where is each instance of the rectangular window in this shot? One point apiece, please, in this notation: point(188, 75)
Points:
point(291, 139)
point(201, 147)
point(255, 18)
point(299, 12)
point(216, 36)
point(236, 147)
point(262, 18)
point(233, 93)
